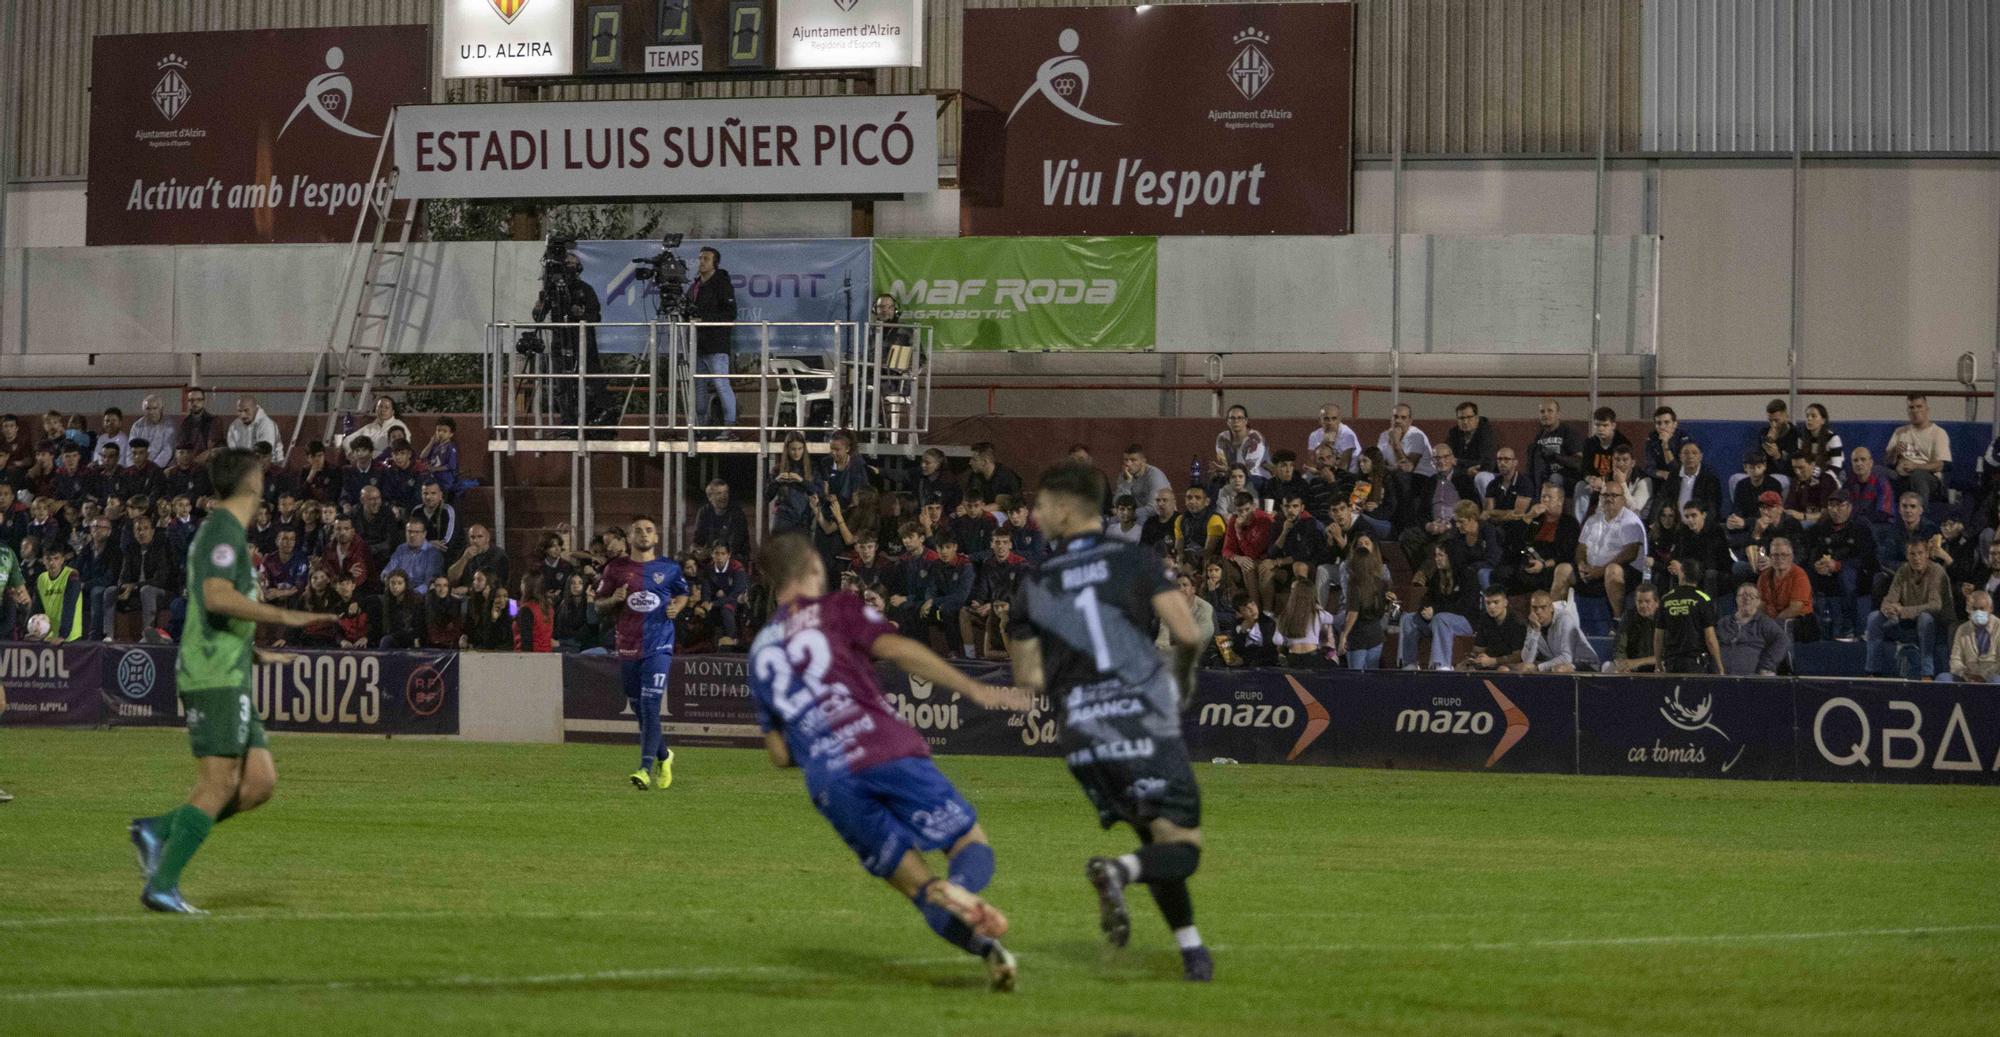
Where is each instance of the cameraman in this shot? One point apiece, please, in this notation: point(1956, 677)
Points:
point(569, 286)
point(711, 297)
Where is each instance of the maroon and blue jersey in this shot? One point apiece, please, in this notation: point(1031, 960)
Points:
point(643, 627)
point(813, 680)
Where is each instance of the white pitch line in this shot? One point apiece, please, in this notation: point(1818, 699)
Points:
point(1620, 941)
point(148, 918)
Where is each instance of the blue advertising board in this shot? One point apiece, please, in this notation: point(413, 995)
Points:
point(776, 279)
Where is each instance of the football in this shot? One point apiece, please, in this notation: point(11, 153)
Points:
point(38, 627)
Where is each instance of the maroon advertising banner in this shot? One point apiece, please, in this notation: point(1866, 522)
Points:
point(1196, 119)
point(228, 137)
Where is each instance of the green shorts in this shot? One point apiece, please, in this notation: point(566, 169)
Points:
point(222, 722)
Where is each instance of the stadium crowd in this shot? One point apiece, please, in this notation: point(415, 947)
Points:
point(1574, 550)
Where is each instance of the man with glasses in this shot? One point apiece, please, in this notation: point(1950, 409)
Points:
point(1608, 550)
point(1472, 439)
point(1511, 493)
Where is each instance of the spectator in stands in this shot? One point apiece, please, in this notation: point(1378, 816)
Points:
point(140, 478)
point(321, 598)
point(1690, 480)
point(842, 472)
point(1597, 450)
point(480, 555)
point(1433, 523)
point(1295, 550)
point(1305, 629)
point(402, 613)
point(100, 481)
point(154, 426)
point(1238, 443)
point(1497, 634)
point(1624, 469)
point(440, 522)
point(934, 479)
point(1633, 645)
point(377, 432)
point(402, 479)
point(1449, 594)
point(1510, 494)
point(1786, 591)
point(1780, 441)
point(440, 456)
point(990, 480)
point(1772, 522)
point(1911, 524)
point(416, 557)
point(1747, 498)
point(1909, 611)
point(111, 432)
point(949, 587)
point(1753, 644)
point(1556, 451)
point(1820, 442)
point(1842, 551)
point(1333, 432)
point(1029, 541)
point(534, 621)
point(149, 576)
point(1663, 447)
point(1376, 495)
point(1140, 479)
point(555, 567)
point(375, 522)
point(1255, 639)
point(99, 563)
point(908, 583)
point(1537, 550)
point(1158, 532)
point(318, 482)
point(575, 619)
point(1198, 606)
point(1873, 496)
point(1919, 451)
point(1975, 651)
point(285, 570)
point(721, 521)
point(1555, 641)
point(982, 622)
point(1246, 541)
point(60, 591)
point(1474, 542)
point(443, 616)
point(1608, 550)
point(361, 473)
point(68, 482)
point(251, 427)
point(347, 554)
point(1288, 479)
point(1404, 447)
point(1472, 439)
point(1811, 486)
point(200, 431)
point(1365, 604)
point(713, 299)
point(1198, 531)
point(1124, 523)
point(1685, 640)
point(489, 616)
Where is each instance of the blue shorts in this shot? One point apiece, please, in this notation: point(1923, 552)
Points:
point(646, 674)
point(894, 807)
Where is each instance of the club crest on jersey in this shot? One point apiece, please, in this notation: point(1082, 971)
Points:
point(223, 556)
point(660, 578)
point(642, 601)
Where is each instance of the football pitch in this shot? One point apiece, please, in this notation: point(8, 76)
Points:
point(434, 887)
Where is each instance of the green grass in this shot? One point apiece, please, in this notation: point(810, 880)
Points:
point(428, 887)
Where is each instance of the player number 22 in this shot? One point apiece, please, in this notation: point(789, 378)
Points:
point(1094, 623)
point(808, 655)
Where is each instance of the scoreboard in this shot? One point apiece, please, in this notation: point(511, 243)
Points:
point(674, 37)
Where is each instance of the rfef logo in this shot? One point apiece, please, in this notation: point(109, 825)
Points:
point(424, 691)
point(136, 674)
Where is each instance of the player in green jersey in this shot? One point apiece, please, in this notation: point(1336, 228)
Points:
point(234, 771)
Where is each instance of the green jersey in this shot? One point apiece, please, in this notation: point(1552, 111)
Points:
point(10, 570)
point(216, 651)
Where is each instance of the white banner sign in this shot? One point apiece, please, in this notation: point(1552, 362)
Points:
point(507, 38)
point(850, 33)
point(716, 148)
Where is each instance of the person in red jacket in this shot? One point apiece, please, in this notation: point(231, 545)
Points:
point(1246, 539)
point(534, 622)
point(347, 554)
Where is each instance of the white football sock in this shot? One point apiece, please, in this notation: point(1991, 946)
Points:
point(1187, 937)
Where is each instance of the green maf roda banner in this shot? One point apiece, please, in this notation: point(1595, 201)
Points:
point(1024, 293)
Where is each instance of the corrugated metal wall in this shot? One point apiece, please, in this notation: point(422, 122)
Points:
point(1871, 75)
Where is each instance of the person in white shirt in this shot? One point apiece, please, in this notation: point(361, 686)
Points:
point(1608, 551)
point(1555, 642)
point(114, 434)
point(377, 431)
point(1241, 444)
point(1975, 645)
point(252, 426)
point(1404, 446)
point(154, 427)
point(1346, 445)
point(1919, 451)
